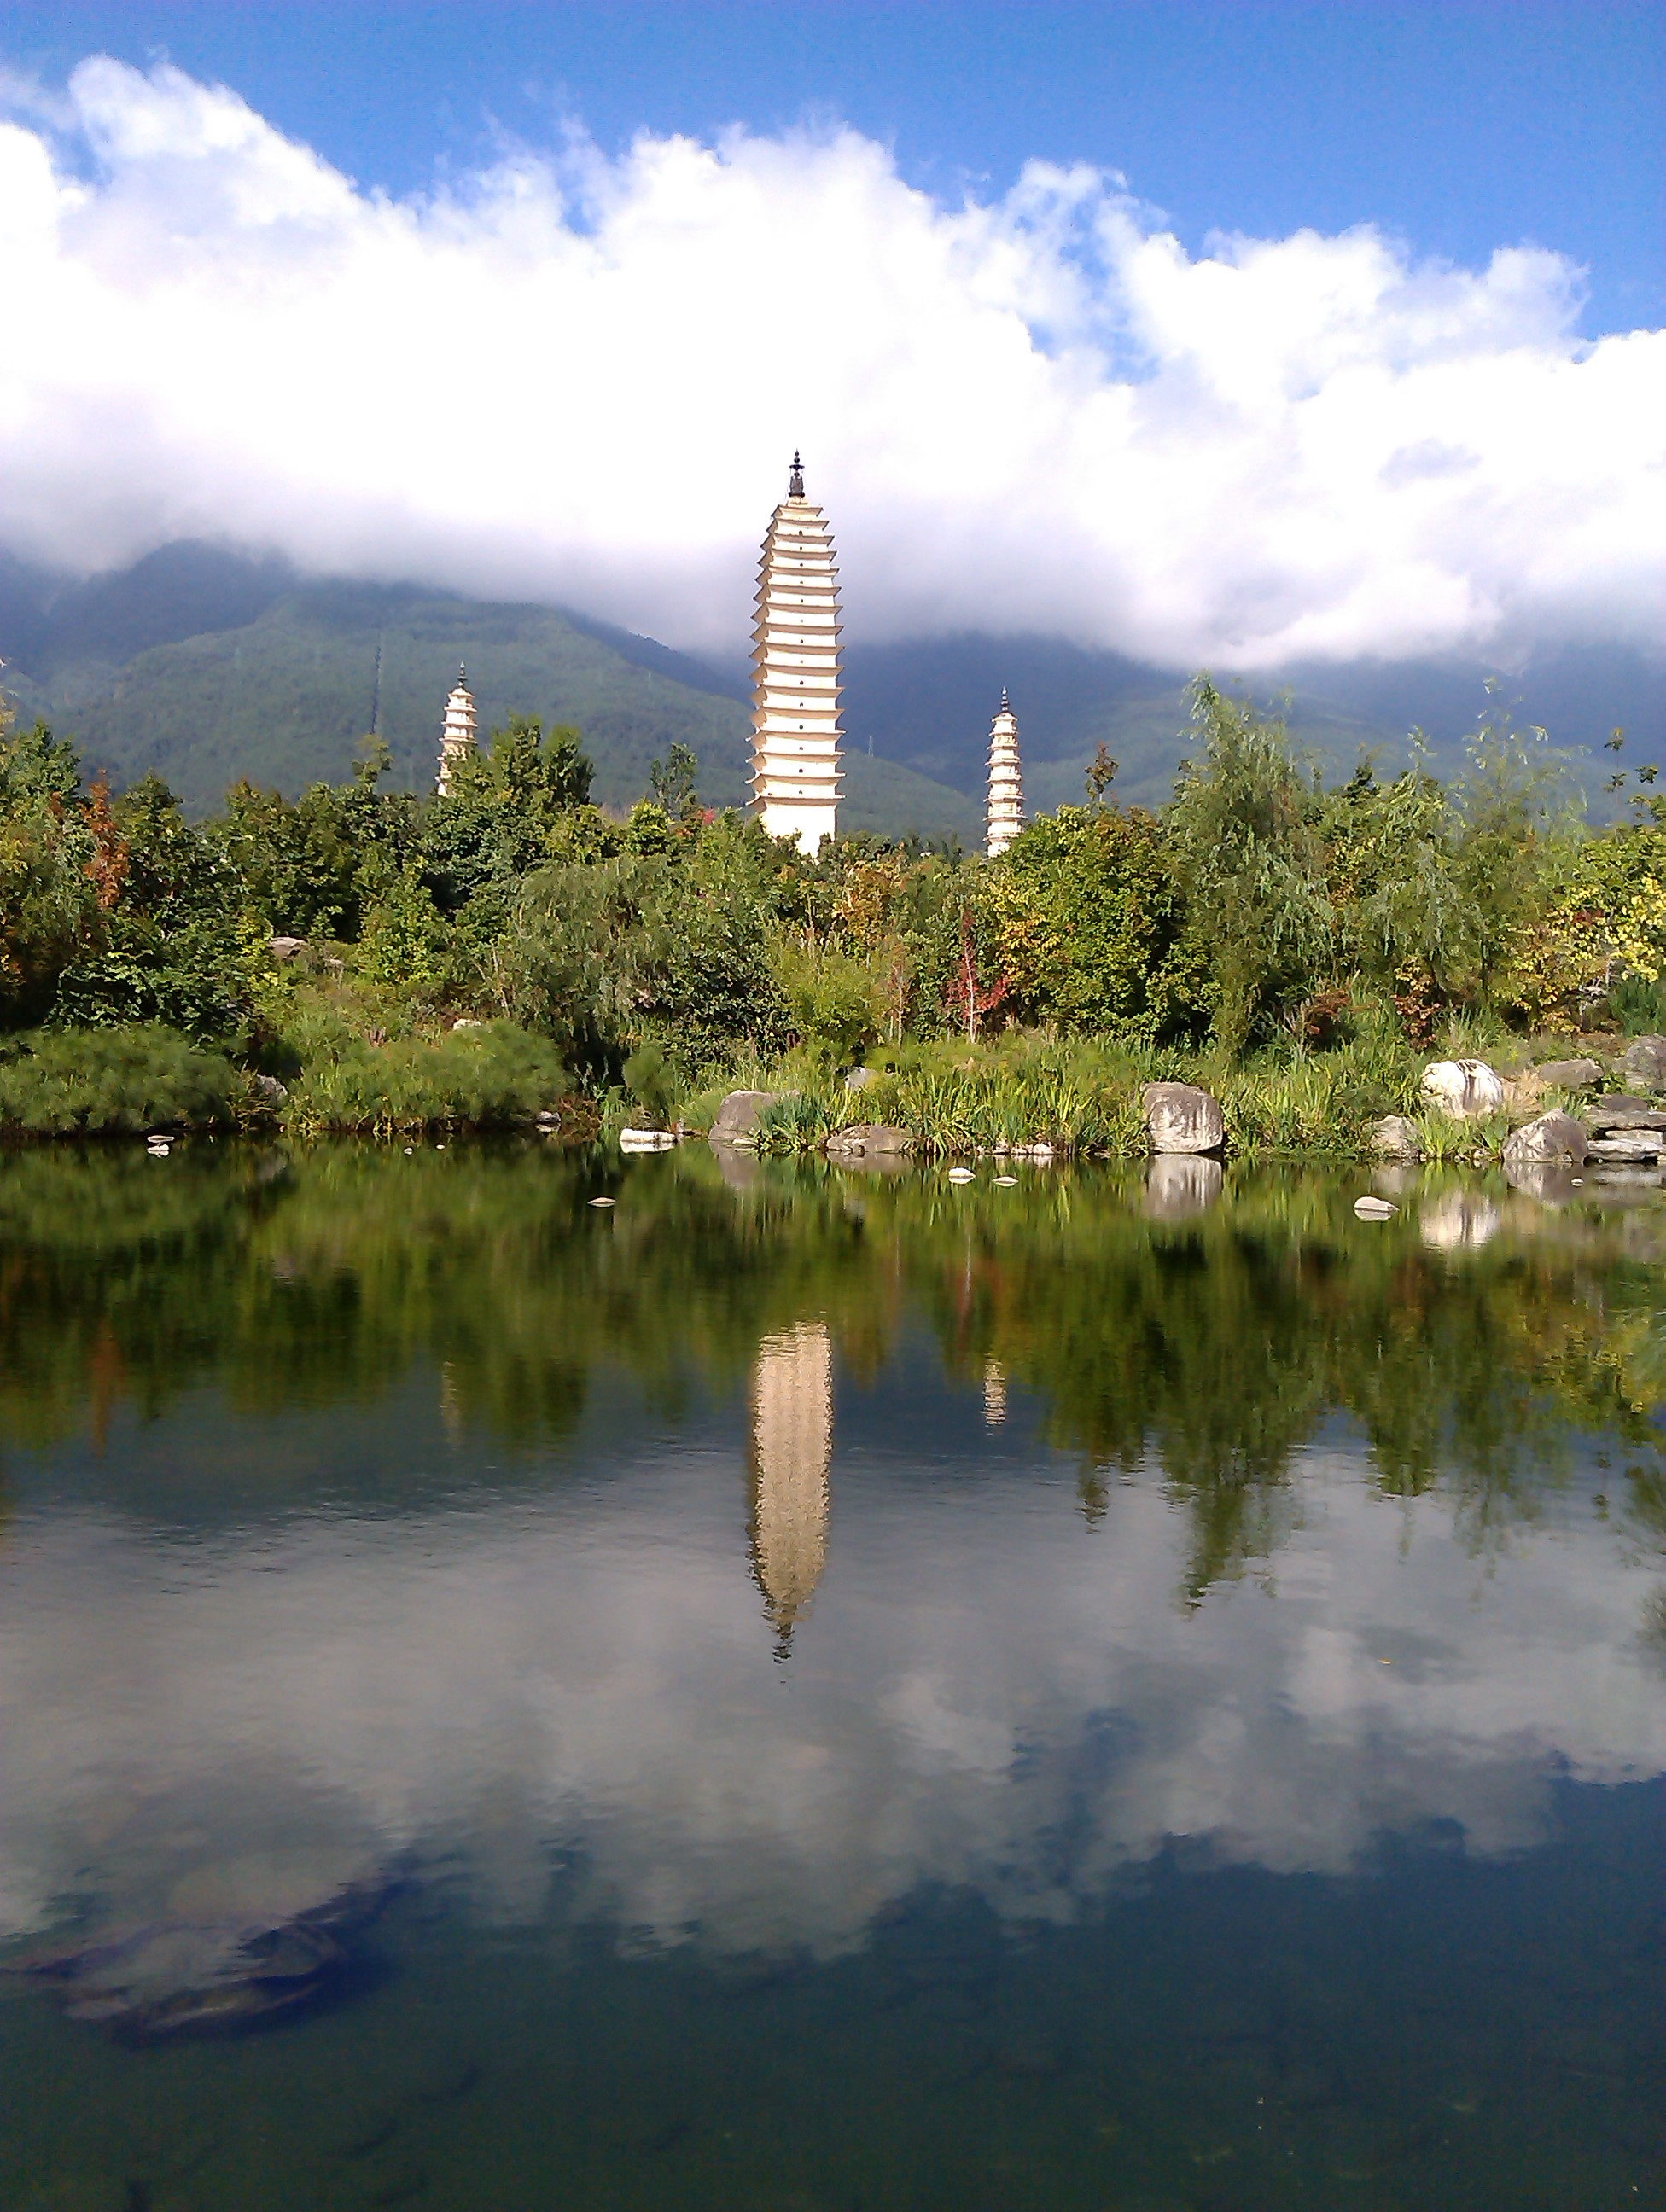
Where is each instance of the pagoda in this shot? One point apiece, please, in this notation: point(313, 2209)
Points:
point(1005, 813)
point(456, 737)
point(795, 662)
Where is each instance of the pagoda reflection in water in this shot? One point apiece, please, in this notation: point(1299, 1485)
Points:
point(792, 1451)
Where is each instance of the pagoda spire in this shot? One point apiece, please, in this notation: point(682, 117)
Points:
point(791, 1458)
point(457, 735)
point(1005, 811)
point(796, 737)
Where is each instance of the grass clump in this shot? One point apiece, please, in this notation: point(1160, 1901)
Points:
point(107, 1082)
point(492, 1077)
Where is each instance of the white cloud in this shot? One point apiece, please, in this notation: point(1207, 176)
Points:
point(580, 379)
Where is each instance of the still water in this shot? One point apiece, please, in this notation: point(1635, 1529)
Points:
point(826, 1692)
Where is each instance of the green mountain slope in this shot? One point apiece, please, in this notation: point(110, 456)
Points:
point(287, 696)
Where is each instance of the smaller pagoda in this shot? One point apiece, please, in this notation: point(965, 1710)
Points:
point(1005, 811)
point(457, 736)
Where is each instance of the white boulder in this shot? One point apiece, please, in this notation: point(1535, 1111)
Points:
point(1465, 1089)
point(1552, 1137)
point(1183, 1118)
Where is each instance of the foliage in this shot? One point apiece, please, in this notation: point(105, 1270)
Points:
point(491, 1076)
point(109, 1080)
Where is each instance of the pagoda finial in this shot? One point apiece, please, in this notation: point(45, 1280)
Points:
point(1005, 702)
point(795, 482)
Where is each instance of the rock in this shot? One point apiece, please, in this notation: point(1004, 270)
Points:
point(1395, 1137)
point(1465, 1089)
point(961, 1174)
point(1646, 1061)
point(646, 1140)
point(1619, 1112)
point(1179, 1185)
point(738, 1116)
point(1552, 1137)
point(1374, 1209)
point(468, 1022)
point(860, 1078)
point(1570, 1074)
point(602, 1201)
point(864, 1137)
point(285, 948)
point(1632, 1147)
point(268, 1090)
point(1183, 1118)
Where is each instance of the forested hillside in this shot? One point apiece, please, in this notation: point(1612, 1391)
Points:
point(207, 667)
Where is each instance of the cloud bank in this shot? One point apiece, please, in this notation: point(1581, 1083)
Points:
point(580, 379)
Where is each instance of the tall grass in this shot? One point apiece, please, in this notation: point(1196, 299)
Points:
point(61, 1083)
point(488, 1077)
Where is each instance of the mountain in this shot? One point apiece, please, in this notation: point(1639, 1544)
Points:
point(927, 705)
point(206, 666)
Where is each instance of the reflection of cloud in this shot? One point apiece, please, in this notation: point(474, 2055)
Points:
point(998, 1698)
point(792, 1440)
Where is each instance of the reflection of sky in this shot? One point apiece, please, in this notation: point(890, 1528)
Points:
point(984, 1690)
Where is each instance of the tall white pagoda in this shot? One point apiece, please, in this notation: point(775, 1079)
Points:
point(456, 737)
point(795, 662)
point(791, 1456)
point(1005, 813)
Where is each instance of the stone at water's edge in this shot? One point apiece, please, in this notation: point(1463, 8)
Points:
point(738, 1116)
point(1371, 1208)
point(1570, 1074)
point(1183, 1118)
point(868, 1137)
point(1395, 1137)
point(1464, 1088)
point(1619, 1112)
point(1646, 1061)
point(1552, 1137)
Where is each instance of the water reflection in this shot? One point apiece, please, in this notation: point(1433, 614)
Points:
point(791, 1451)
point(382, 1574)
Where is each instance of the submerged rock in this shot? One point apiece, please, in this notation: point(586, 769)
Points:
point(1181, 1118)
point(1370, 1208)
point(178, 1978)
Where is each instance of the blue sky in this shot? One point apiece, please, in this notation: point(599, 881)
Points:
point(1459, 127)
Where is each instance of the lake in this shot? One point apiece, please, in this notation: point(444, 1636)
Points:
point(826, 1692)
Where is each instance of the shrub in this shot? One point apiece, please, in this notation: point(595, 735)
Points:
point(491, 1077)
point(99, 1082)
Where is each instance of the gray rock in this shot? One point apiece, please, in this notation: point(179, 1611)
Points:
point(860, 1078)
point(1632, 1147)
point(1646, 1061)
point(1552, 1137)
point(1395, 1137)
point(1181, 1184)
point(868, 1137)
point(1620, 1112)
point(738, 1116)
point(268, 1090)
point(1570, 1074)
point(285, 948)
point(1183, 1118)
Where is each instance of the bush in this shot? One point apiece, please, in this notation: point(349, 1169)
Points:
point(101, 1082)
point(480, 1079)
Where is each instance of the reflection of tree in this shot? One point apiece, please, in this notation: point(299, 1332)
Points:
point(792, 1452)
point(1207, 1351)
